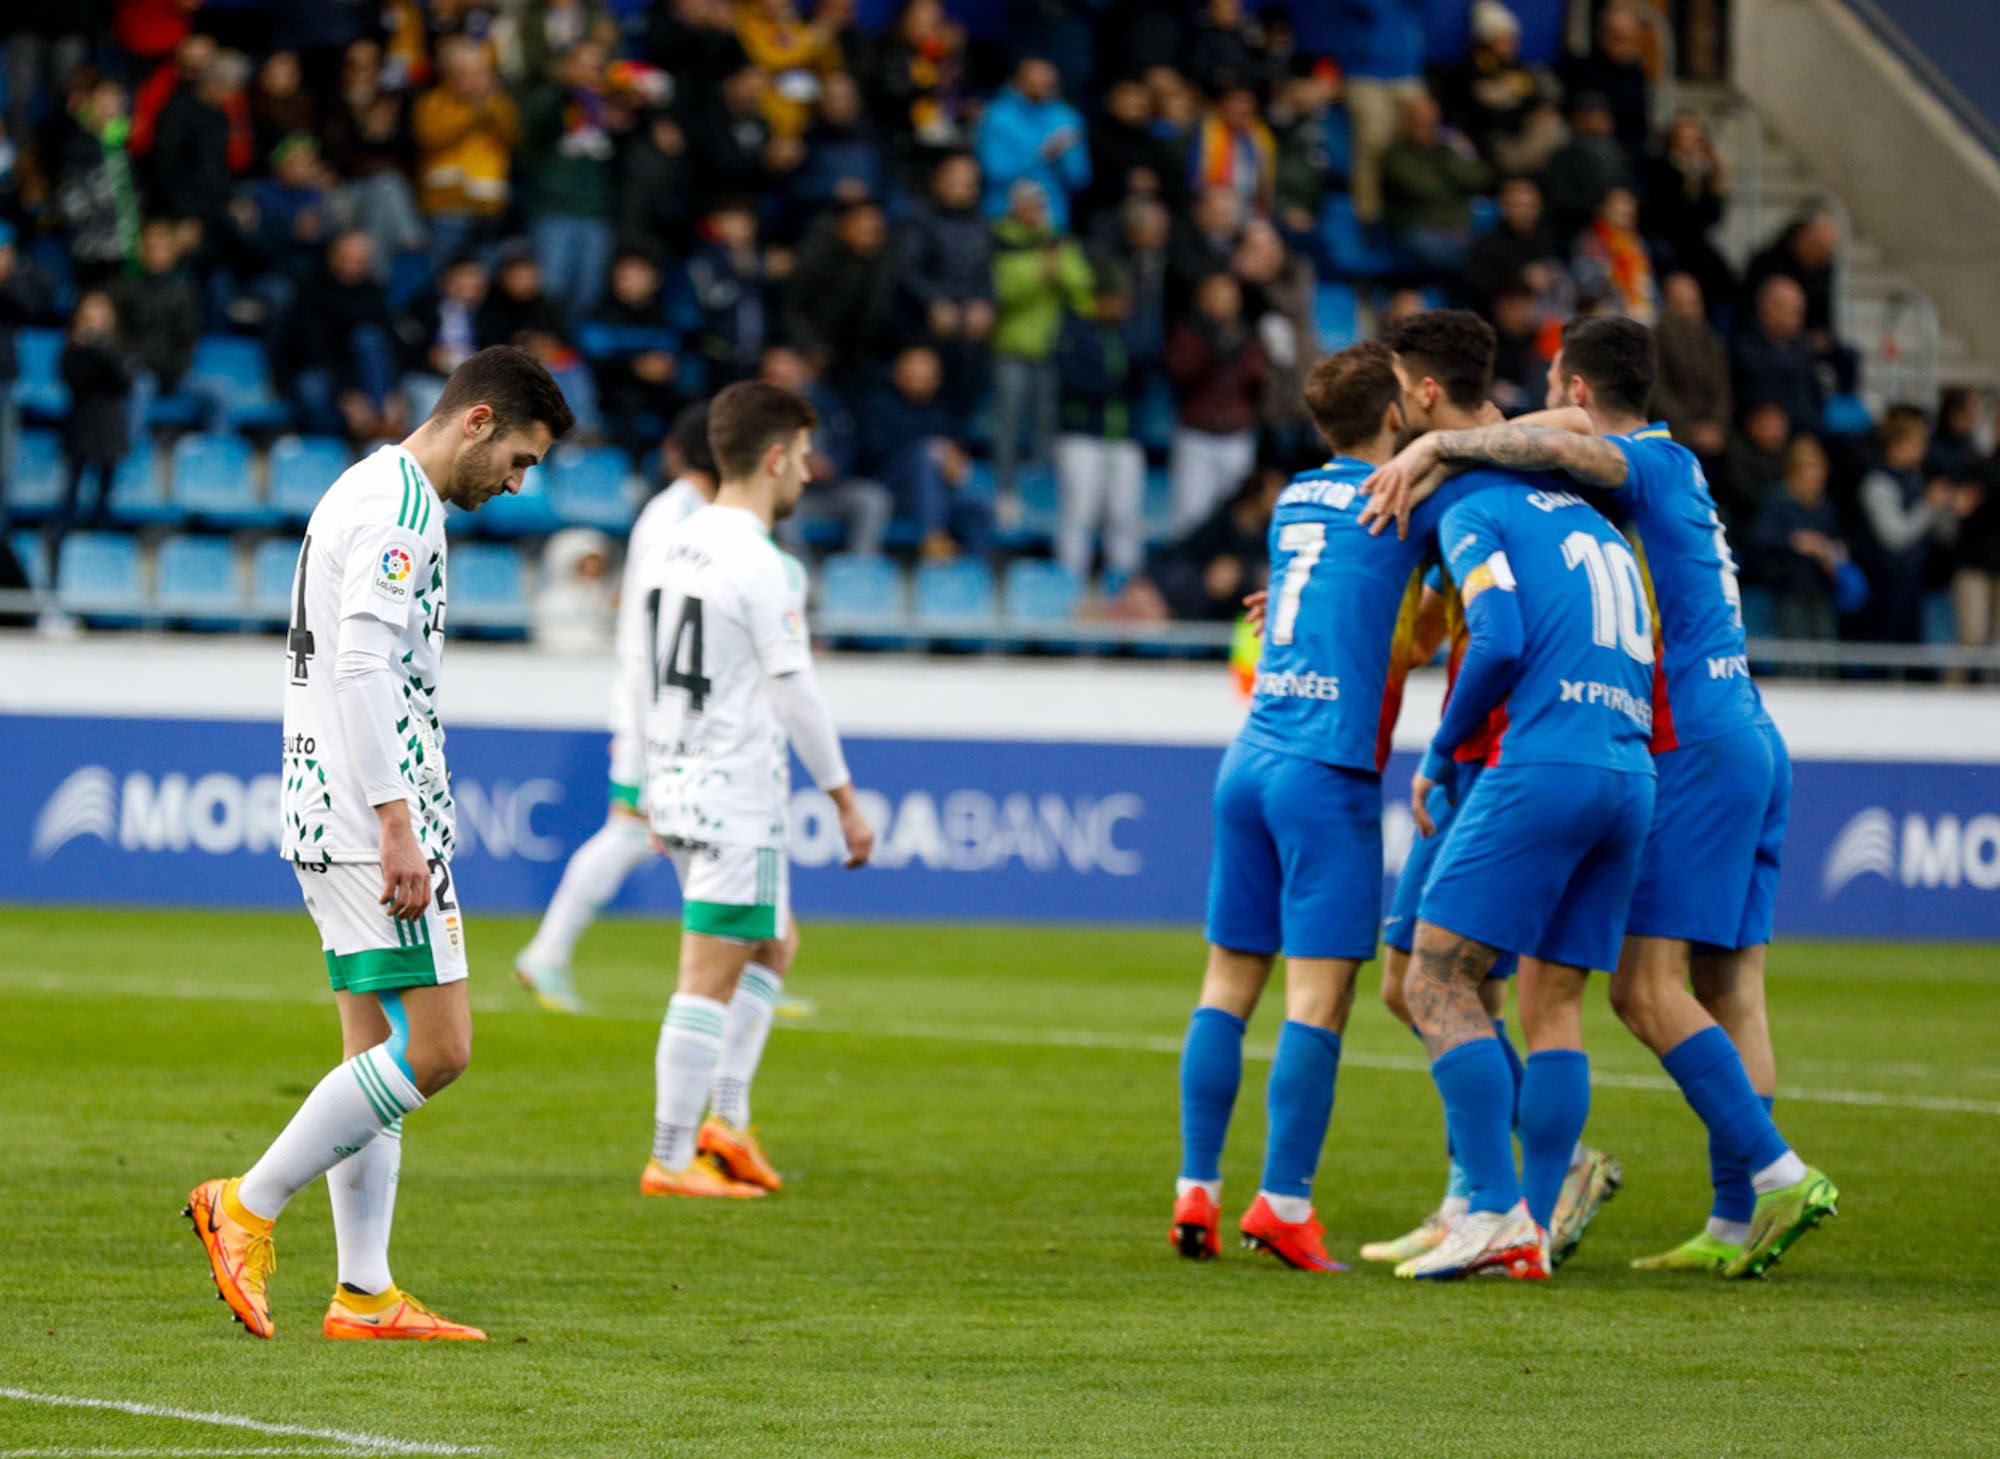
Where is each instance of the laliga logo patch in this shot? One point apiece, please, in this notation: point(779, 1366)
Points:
point(795, 626)
point(395, 564)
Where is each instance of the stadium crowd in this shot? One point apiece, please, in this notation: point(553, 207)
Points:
point(1053, 294)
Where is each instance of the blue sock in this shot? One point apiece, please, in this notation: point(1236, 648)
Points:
point(1478, 1106)
point(1456, 1183)
point(1735, 1199)
point(1514, 1067)
point(1555, 1103)
point(1300, 1102)
point(1710, 1074)
point(1211, 1068)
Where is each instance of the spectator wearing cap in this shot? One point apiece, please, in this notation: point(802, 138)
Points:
point(1505, 106)
point(1771, 358)
point(1218, 370)
point(1429, 179)
point(840, 306)
point(1100, 466)
point(1796, 549)
point(1038, 274)
point(909, 444)
point(1692, 392)
point(946, 274)
point(835, 492)
point(1029, 134)
point(633, 354)
point(465, 129)
point(1615, 68)
point(1585, 168)
point(1380, 47)
point(1234, 150)
point(569, 126)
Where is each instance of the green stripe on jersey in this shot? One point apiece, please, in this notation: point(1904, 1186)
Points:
point(403, 507)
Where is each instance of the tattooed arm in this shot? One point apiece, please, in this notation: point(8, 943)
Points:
point(1395, 490)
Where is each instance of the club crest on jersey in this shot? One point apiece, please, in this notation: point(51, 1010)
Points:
point(396, 566)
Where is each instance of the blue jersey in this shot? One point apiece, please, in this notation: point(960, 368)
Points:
point(1583, 692)
point(1703, 688)
point(1342, 611)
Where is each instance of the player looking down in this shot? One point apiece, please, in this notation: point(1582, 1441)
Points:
point(719, 665)
point(369, 829)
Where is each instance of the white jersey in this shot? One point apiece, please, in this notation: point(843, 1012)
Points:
point(667, 509)
point(722, 613)
point(375, 548)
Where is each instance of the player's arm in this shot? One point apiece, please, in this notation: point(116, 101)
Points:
point(1416, 471)
point(375, 604)
point(1431, 626)
point(632, 673)
point(1491, 664)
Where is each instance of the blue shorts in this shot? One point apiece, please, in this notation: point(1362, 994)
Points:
point(1709, 873)
point(1542, 860)
point(1298, 856)
point(1399, 928)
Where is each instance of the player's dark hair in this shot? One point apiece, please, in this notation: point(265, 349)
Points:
point(512, 383)
point(1454, 347)
point(750, 417)
point(689, 438)
point(1349, 392)
point(1616, 357)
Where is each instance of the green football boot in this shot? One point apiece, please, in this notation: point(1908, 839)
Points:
point(1781, 1218)
point(1699, 1253)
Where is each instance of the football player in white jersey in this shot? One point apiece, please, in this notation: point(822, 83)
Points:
point(368, 827)
point(720, 667)
point(601, 865)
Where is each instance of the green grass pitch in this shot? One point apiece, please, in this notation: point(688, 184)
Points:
point(979, 1131)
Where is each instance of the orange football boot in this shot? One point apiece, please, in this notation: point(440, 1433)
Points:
point(240, 1255)
point(703, 1177)
point(1298, 1244)
point(391, 1314)
point(1197, 1229)
point(737, 1152)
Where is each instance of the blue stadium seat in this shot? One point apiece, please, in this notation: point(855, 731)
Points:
point(30, 553)
point(234, 370)
point(587, 487)
point(1846, 415)
point(272, 568)
point(860, 587)
point(38, 474)
point(1940, 622)
point(1159, 509)
point(139, 491)
point(956, 595)
point(196, 579)
point(1355, 254)
point(302, 468)
point(1039, 497)
point(528, 513)
point(1155, 426)
point(1336, 311)
point(38, 385)
point(215, 480)
point(487, 589)
point(1041, 592)
point(99, 573)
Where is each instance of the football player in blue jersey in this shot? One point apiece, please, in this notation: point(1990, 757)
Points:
point(1723, 795)
point(1298, 816)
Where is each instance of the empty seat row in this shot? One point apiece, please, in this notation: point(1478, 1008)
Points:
point(862, 595)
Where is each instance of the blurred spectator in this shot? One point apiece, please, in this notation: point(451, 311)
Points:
point(1226, 49)
point(835, 493)
point(1314, 149)
point(1520, 368)
point(1798, 552)
point(1505, 106)
point(95, 440)
point(798, 55)
point(1429, 180)
point(1612, 261)
point(1686, 191)
point(96, 199)
point(27, 296)
point(177, 72)
point(1141, 251)
point(909, 445)
point(532, 38)
point(946, 273)
point(159, 318)
point(632, 352)
point(1100, 467)
point(1202, 577)
point(279, 105)
point(1037, 275)
point(1128, 156)
point(1913, 520)
point(1521, 248)
point(1957, 456)
point(1400, 305)
point(1380, 47)
point(568, 125)
point(732, 279)
point(366, 137)
point(840, 306)
point(1771, 358)
point(1218, 370)
point(465, 130)
point(202, 144)
point(1278, 300)
point(573, 610)
point(338, 350)
point(1753, 465)
point(1615, 68)
point(1584, 169)
point(283, 223)
point(1235, 151)
point(696, 41)
point(844, 158)
point(1203, 242)
point(519, 311)
point(918, 78)
point(1806, 253)
point(1692, 392)
point(440, 331)
point(653, 206)
point(1030, 134)
point(735, 150)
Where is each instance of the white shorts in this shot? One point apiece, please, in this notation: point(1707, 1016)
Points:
point(367, 950)
point(741, 893)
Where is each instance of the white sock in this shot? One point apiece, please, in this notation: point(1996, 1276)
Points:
point(1454, 1207)
point(1289, 1209)
point(1214, 1188)
point(1786, 1170)
point(349, 1108)
point(690, 1044)
point(592, 878)
point(1733, 1232)
point(363, 1191)
point(744, 1031)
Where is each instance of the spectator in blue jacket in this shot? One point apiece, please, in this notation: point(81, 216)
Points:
point(632, 352)
point(1100, 467)
point(1380, 47)
point(907, 445)
point(1030, 132)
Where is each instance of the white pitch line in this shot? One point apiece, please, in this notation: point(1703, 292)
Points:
point(70, 1452)
point(353, 1441)
point(1049, 1038)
